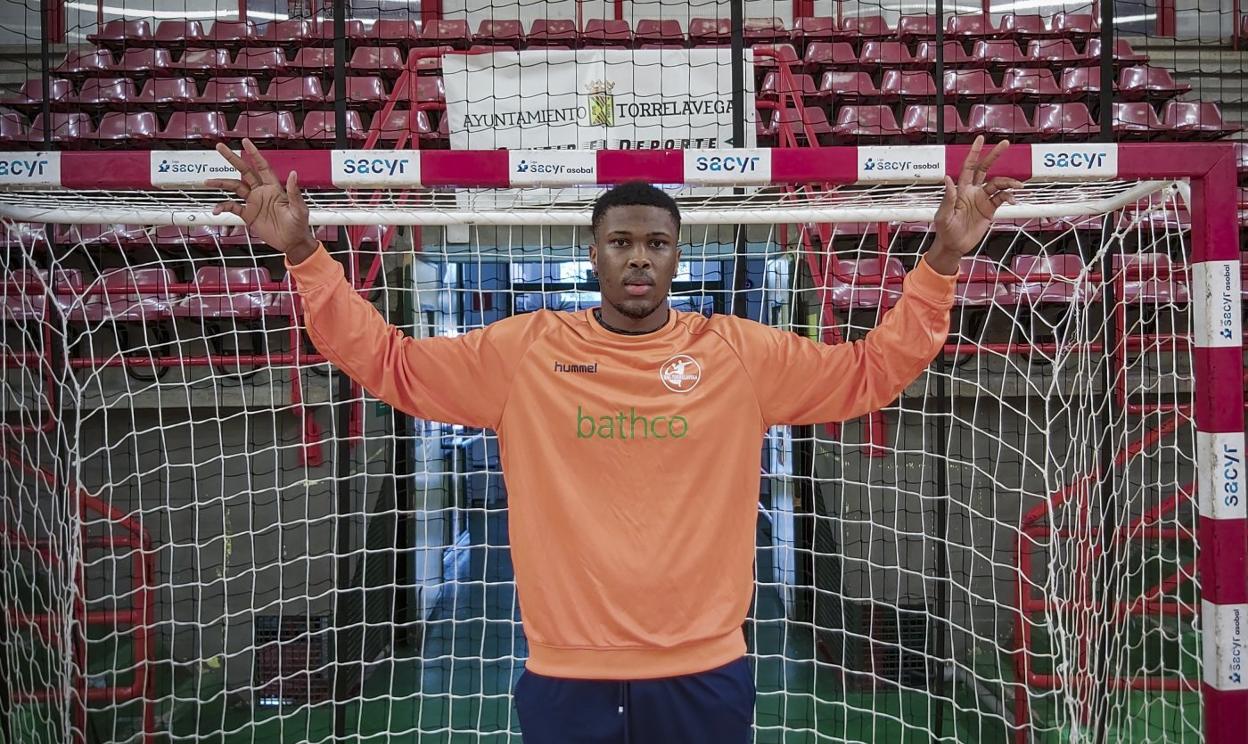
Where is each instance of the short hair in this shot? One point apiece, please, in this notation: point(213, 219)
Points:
point(630, 194)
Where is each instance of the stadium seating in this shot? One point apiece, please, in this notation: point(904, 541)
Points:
point(227, 293)
point(908, 85)
point(12, 128)
point(769, 56)
point(1052, 52)
point(203, 237)
point(191, 126)
point(1075, 25)
point(1136, 120)
point(867, 27)
point(144, 62)
point(867, 282)
point(980, 285)
point(395, 32)
point(764, 31)
point(810, 29)
point(1196, 120)
point(710, 31)
point(508, 33)
point(811, 117)
point(225, 92)
point(550, 32)
point(971, 85)
point(174, 34)
point(771, 86)
point(971, 26)
point(313, 61)
point(1029, 84)
point(319, 128)
point(884, 54)
point(655, 31)
point(230, 35)
point(954, 53)
point(998, 53)
point(264, 127)
point(1042, 279)
point(103, 93)
point(83, 62)
point(1081, 81)
point(302, 91)
point(847, 87)
point(453, 33)
point(324, 32)
point(833, 55)
point(1024, 27)
point(1148, 83)
point(25, 236)
point(916, 27)
point(29, 98)
point(919, 122)
point(294, 32)
point(429, 90)
point(999, 120)
point(1064, 121)
point(202, 62)
point(865, 122)
point(122, 33)
point(66, 128)
point(167, 93)
point(1123, 53)
point(117, 126)
point(363, 93)
point(25, 296)
point(386, 61)
point(603, 32)
point(134, 296)
point(403, 121)
point(257, 61)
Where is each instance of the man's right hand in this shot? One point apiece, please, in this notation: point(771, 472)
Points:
point(275, 214)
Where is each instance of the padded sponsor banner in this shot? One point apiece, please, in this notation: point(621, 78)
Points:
point(1220, 477)
point(744, 166)
point(901, 163)
point(552, 167)
point(188, 169)
point(1225, 633)
point(1074, 161)
point(1215, 292)
point(30, 169)
point(375, 168)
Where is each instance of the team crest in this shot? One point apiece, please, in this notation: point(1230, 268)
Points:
point(681, 373)
point(601, 103)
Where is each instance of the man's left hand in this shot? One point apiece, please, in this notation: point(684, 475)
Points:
point(967, 209)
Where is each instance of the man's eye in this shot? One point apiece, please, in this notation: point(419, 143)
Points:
point(619, 242)
point(658, 244)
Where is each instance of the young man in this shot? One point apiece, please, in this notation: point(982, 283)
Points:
point(629, 438)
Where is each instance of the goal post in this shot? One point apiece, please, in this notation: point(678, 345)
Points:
point(1044, 539)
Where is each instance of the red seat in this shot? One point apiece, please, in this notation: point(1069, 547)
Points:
point(811, 117)
point(208, 126)
point(655, 31)
point(1065, 121)
point(834, 54)
point(230, 34)
point(178, 34)
point(998, 52)
point(313, 60)
point(257, 61)
point(144, 61)
point(1024, 26)
point(67, 128)
point(917, 27)
point(264, 127)
point(224, 92)
point(710, 30)
point(1148, 83)
point(550, 31)
point(427, 60)
point(907, 85)
point(1123, 53)
point(398, 32)
point(1077, 25)
point(865, 122)
point(294, 32)
point(919, 122)
point(604, 32)
point(1136, 120)
point(773, 55)
point(764, 31)
point(363, 92)
point(885, 53)
point(121, 236)
point(80, 62)
point(136, 295)
point(25, 295)
point(970, 26)
point(1196, 119)
point(202, 61)
point(227, 293)
point(508, 32)
point(1029, 84)
point(430, 90)
point(386, 61)
point(1081, 81)
point(867, 27)
point(955, 54)
point(1155, 292)
point(1048, 279)
point(167, 92)
point(318, 127)
point(209, 237)
point(1052, 52)
point(324, 33)
point(306, 91)
point(809, 29)
point(979, 283)
point(403, 122)
point(772, 85)
point(999, 119)
point(122, 33)
point(867, 282)
point(117, 126)
point(104, 93)
point(30, 96)
point(12, 128)
point(974, 84)
point(447, 32)
point(848, 87)
point(25, 236)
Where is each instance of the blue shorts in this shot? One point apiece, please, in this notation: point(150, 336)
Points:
point(715, 707)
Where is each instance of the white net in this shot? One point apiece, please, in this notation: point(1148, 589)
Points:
point(210, 535)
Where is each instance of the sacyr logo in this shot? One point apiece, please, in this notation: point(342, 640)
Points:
point(869, 165)
point(163, 167)
point(681, 373)
point(1074, 160)
point(727, 163)
point(1235, 678)
point(522, 166)
point(1226, 333)
point(24, 167)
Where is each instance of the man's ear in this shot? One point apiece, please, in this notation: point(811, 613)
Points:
point(593, 257)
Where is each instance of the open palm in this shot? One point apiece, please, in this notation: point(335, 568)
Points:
point(968, 206)
point(273, 212)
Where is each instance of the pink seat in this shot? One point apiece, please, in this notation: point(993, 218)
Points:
point(979, 283)
point(121, 236)
point(999, 119)
point(428, 60)
point(137, 295)
point(206, 126)
point(998, 53)
point(917, 27)
point(1123, 53)
point(866, 122)
point(66, 128)
point(1148, 83)
point(144, 61)
point(230, 34)
point(319, 128)
point(955, 54)
point(264, 127)
point(208, 237)
point(257, 61)
point(772, 85)
point(398, 32)
point(971, 85)
point(509, 32)
point(1076, 25)
point(848, 87)
point(202, 61)
point(167, 92)
point(970, 26)
point(12, 128)
point(1065, 121)
point(659, 31)
point(1155, 292)
point(603, 32)
point(30, 96)
point(324, 33)
point(1029, 84)
point(180, 33)
point(117, 126)
point(838, 55)
point(80, 62)
point(763, 31)
point(447, 32)
point(386, 61)
point(1048, 279)
point(403, 123)
point(1136, 120)
point(221, 292)
point(1023, 26)
point(25, 296)
point(304, 91)
point(916, 85)
point(122, 33)
point(104, 93)
point(811, 117)
point(430, 90)
point(1053, 52)
point(867, 283)
point(1081, 81)
point(710, 30)
point(867, 27)
point(313, 60)
point(919, 122)
point(294, 32)
point(885, 53)
point(224, 92)
point(549, 31)
point(809, 29)
point(25, 236)
point(363, 93)
point(771, 56)
point(1151, 279)
point(1196, 120)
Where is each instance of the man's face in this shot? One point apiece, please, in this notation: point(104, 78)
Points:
point(636, 255)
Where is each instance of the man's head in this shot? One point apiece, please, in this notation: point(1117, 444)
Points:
point(635, 251)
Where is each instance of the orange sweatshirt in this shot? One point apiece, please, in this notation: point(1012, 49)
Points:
point(631, 462)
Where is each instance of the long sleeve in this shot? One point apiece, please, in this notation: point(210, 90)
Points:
point(799, 381)
point(463, 380)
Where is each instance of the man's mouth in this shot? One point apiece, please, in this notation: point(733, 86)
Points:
point(638, 287)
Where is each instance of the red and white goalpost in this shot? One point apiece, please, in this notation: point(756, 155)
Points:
point(1093, 464)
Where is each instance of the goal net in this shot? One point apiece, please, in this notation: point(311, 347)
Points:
point(210, 534)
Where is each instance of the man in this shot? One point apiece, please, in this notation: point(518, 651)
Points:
point(629, 438)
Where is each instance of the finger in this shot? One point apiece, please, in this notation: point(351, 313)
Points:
point(293, 193)
point(262, 166)
point(239, 188)
point(986, 163)
point(233, 159)
point(966, 177)
point(228, 207)
point(947, 201)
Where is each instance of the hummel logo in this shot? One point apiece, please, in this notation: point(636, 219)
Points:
point(580, 369)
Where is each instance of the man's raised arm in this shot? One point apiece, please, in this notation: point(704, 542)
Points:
point(457, 380)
